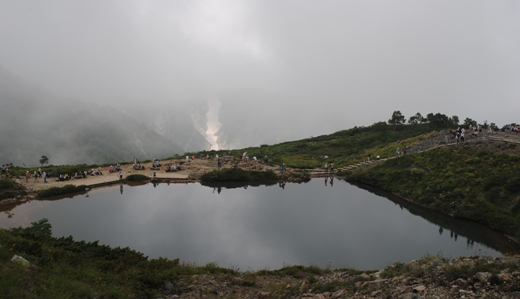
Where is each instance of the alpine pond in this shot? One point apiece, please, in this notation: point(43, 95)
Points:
point(322, 222)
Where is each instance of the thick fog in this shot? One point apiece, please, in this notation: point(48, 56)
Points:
point(296, 68)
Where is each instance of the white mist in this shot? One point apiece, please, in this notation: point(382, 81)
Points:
point(213, 123)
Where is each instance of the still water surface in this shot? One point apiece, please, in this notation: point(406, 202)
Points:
point(263, 227)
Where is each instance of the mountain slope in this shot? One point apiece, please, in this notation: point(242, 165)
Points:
point(35, 122)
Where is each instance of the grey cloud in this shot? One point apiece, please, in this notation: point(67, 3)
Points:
point(329, 66)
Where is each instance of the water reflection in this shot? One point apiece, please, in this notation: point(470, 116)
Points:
point(465, 228)
point(262, 226)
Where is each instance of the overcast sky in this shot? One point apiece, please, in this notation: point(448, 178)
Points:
point(330, 65)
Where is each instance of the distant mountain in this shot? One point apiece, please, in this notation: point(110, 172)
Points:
point(35, 122)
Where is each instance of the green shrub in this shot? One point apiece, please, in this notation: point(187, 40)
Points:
point(7, 184)
point(136, 178)
point(238, 174)
point(417, 172)
point(54, 191)
point(11, 194)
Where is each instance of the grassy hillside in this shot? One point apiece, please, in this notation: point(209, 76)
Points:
point(466, 182)
point(343, 148)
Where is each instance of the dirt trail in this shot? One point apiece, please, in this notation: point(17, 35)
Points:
point(190, 171)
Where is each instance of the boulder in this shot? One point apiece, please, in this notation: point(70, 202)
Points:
point(408, 296)
point(376, 284)
point(505, 276)
point(364, 277)
point(483, 276)
point(20, 260)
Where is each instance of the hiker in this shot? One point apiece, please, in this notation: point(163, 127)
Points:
point(368, 157)
point(44, 177)
point(35, 176)
point(326, 167)
point(120, 175)
point(219, 163)
point(26, 176)
point(265, 159)
point(331, 167)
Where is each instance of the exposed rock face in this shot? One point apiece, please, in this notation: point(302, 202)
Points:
point(430, 277)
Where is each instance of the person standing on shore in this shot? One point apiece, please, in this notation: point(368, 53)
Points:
point(120, 175)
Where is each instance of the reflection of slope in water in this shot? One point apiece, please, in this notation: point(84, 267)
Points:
point(473, 231)
point(7, 207)
point(235, 185)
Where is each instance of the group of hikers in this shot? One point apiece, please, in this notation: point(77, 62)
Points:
point(37, 174)
point(329, 167)
point(460, 133)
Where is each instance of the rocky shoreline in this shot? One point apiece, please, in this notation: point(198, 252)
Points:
point(429, 277)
